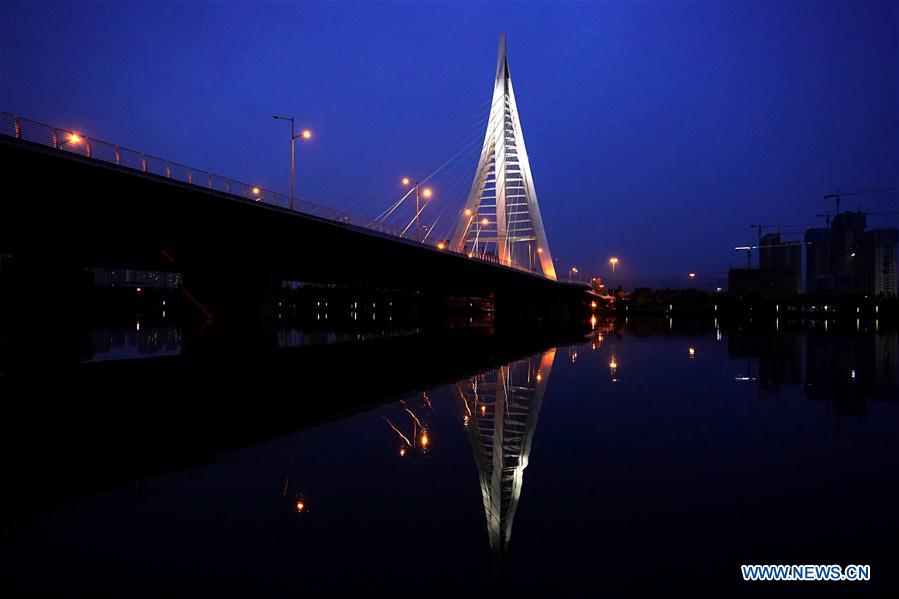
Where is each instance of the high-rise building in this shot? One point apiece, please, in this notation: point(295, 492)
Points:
point(878, 275)
point(817, 260)
point(847, 232)
point(781, 264)
point(845, 258)
point(779, 273)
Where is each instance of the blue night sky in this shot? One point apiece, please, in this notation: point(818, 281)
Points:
point(657, 132)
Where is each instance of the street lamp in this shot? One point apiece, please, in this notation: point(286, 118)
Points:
point(477, 234)
point(305, 134)
point(425, 193)
point(614, 262)
point(572, 271)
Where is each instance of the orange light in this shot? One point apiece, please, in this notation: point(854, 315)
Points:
point(468, 212)
point(426, 192)
point(74, 138)
point(593, 321)
point(256, 191)
point(573, 269)
point(692, 351)
point(424, 439)
point(405, 180)
point(441, 245)
point(539, 250)
point(485, 222)
point(402, 451)
point(471, 254)
point(613, 364)
point(539, 377)
point(483, 409)
point(300, 505)
point(692, 275)
point(138, 290)
point(307, 134)
point(593, 305)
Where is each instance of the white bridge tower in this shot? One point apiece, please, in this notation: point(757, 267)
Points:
point(501, 219)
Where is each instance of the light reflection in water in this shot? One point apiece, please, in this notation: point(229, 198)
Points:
point(501, 437)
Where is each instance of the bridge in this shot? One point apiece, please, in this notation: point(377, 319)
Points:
point(74, 202)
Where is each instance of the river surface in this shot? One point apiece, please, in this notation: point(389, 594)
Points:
point(644, 457)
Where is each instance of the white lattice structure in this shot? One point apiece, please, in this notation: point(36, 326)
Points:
point(501, 219)
point(501, 409)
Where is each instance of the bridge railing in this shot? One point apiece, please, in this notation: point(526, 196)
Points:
point(67, 140)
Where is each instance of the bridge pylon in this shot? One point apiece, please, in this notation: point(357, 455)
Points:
point(501, 219)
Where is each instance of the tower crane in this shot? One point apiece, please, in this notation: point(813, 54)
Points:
point(761, 227)
point(838, 194)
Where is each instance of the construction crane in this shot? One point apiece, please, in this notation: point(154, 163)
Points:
point(827, 215)
point(837, 195)
point(760, 228)
point(748, 250)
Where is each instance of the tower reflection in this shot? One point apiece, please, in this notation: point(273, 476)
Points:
point(500, 412)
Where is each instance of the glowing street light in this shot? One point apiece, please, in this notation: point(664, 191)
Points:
point(305, 134)
point(425, 193)
point(477, 236)
point(572, 271)
point(692, 275)
point(614, 262)
point(74, 138)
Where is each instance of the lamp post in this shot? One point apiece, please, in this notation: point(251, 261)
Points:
point(477, 235)
point(425, 193)
point(614, 262)
point(305, 134)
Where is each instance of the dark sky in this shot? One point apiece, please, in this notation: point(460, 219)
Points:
point(656, 132)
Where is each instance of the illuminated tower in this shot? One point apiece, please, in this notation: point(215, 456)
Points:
point(501, 218)
point(501, 408)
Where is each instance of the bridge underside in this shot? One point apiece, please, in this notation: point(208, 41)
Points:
point(61, 213)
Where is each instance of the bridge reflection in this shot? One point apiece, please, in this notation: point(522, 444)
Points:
point(500, 411)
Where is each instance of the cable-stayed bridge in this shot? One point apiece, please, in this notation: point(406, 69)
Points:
point(79, 202)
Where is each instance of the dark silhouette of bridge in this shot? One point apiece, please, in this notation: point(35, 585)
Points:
point(72, 202)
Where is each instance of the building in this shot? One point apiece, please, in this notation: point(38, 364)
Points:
point(779, 273)
point(878, 277)
point(782, 261)
point(817, 259)
point(847, 232)
point(845, 258)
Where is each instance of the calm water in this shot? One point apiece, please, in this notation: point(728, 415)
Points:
point(650, 456)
